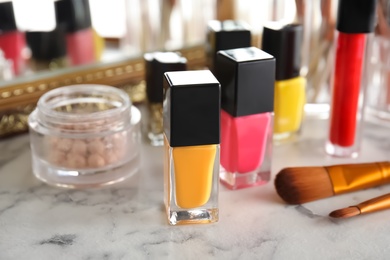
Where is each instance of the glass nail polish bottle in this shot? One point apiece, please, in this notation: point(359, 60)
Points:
point(76, 17)
point(12, 41)
point(284, 42)
point(355, 24)
point(224, 35)
point(247, 77)
point(156, 64)
point(191, 146)
point(48, 49)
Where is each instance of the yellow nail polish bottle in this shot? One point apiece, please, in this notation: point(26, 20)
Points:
point(284, 43)
point(191, 111)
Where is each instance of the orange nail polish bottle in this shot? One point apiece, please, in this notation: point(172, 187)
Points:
point(191, 112)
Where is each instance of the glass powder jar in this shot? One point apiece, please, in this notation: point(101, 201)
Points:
point(85, 136)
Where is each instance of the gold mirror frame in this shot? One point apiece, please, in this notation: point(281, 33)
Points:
point(18, 100)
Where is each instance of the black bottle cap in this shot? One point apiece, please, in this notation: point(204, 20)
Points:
point(224, 35)
point(284, 43)
point(156, 64)
point(247, 77)
point(356, 16)
point(7, 17)
point(191, 108)
point(75, 14)
point(47, 45)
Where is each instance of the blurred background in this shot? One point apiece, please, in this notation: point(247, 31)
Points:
point(107, 31)
point(132, 27)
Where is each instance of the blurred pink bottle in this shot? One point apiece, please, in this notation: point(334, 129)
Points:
point(12, 41)
point(76, 17)
point(80, 47)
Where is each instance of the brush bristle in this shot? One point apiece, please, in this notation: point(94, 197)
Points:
point(298, 185)
point(345, 213)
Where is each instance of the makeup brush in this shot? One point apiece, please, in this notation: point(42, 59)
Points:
point(297, 185)
point(372, 205)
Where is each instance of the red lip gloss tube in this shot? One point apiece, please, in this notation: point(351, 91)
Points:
point(76, 17)
point(247, 77)
point(12, 41)
point(355, 23)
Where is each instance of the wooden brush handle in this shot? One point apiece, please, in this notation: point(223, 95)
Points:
point(375, 204)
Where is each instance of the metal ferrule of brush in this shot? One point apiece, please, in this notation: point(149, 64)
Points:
point(353, 177)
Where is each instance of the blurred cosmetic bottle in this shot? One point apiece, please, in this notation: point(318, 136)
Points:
point(12, 41)
point(378, 98)
point(284, 43)
point(48, 49)
point(223, 36)
point(75, 16)
point(156, 64)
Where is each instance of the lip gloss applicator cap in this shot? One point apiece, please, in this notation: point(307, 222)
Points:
point(356, 16)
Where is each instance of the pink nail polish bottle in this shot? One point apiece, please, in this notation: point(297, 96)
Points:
point(247, 77)
point(12, 41)
point(76, 17)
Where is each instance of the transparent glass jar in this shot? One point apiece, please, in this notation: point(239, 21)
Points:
point(84, 136)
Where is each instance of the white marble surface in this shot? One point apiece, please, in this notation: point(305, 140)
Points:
point(128, 222)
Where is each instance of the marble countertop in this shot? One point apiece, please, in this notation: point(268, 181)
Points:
point(127, 221)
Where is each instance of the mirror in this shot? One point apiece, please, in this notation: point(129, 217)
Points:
point(55, 42)
point(49, 35)
point(126, 28)
point(17, 100)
